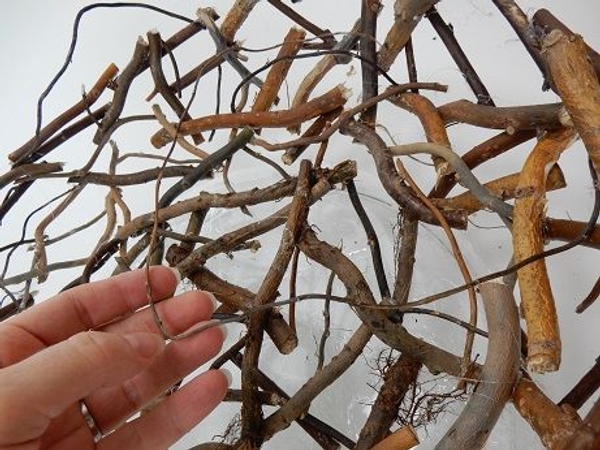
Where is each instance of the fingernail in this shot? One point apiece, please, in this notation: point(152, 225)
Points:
point(213, 299)
point(228, 375)
point(225, 332)
point(146, 345)
point(177, 274)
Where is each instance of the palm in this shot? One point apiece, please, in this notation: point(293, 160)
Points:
point(47, 400)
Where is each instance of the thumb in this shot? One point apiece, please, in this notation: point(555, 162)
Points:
point(42, 386)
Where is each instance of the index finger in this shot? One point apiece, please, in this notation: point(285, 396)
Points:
point(90, 305)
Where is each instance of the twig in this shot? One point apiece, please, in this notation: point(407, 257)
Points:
point(460, 261)
point(322, 433)
point(510, 118)
point(323, 66)
point(404, 438)
point(20, 278)
point(376, 319)
point(390, 179)
point(367, 47)
point(466, 177)
point(203, 168)
point(174, 134)
point(590, 298)
point(407, 14)
point(587, 436)
point(405, 260)
point(519, 22)
point(433, 125)
point(372, 240)
point(446, 34)
point(124, 81)
point(222, 43)
point(25, 152)
point(40, 246)
point(235, 18)
point(342, 117)
point(325, 103)
point(237, 297)
point(505, 188)
point(251, 410)
point(267, 95)
point(553, 424)
point(326, 323)
point(325, 35)
point(584, 389)
point(481, 153)
point(397, 380)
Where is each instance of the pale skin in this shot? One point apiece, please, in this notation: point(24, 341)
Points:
point(98, 343)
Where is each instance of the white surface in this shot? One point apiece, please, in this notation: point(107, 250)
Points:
point(35, 37)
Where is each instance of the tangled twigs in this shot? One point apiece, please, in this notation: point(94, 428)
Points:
point(251, 408)
point(28, 150)
point(370, 262)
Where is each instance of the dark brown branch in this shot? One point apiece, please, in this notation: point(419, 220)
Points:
point(397, 380)
point(587, 436)
point(446, 34)
point(67, 133)
point(408, 233)
point(325, 435)
point(372, 240)
point(155, 44)
point(130, 179)
point(411, 64)
point(590, 298)
point(367, 47)
point(193, 75)
point(241, 299)
point(325, 35)
point(584, 389)
point(519, 22)
point(569, 230)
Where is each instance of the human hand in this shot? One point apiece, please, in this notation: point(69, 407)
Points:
point(94, 344)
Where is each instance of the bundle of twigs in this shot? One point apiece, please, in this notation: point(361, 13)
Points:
point(255, 126)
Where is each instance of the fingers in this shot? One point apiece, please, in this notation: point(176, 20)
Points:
point(176, 416)
point(91, 305)
point(111, 406)
point(177, 315)
point(44, 385)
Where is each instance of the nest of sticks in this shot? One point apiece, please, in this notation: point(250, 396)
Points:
point(292, 144)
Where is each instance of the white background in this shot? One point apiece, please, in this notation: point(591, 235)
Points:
point(35, 37)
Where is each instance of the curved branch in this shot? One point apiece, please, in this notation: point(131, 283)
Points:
point(498, 375)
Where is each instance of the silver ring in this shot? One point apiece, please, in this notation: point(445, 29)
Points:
point(91, 423)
